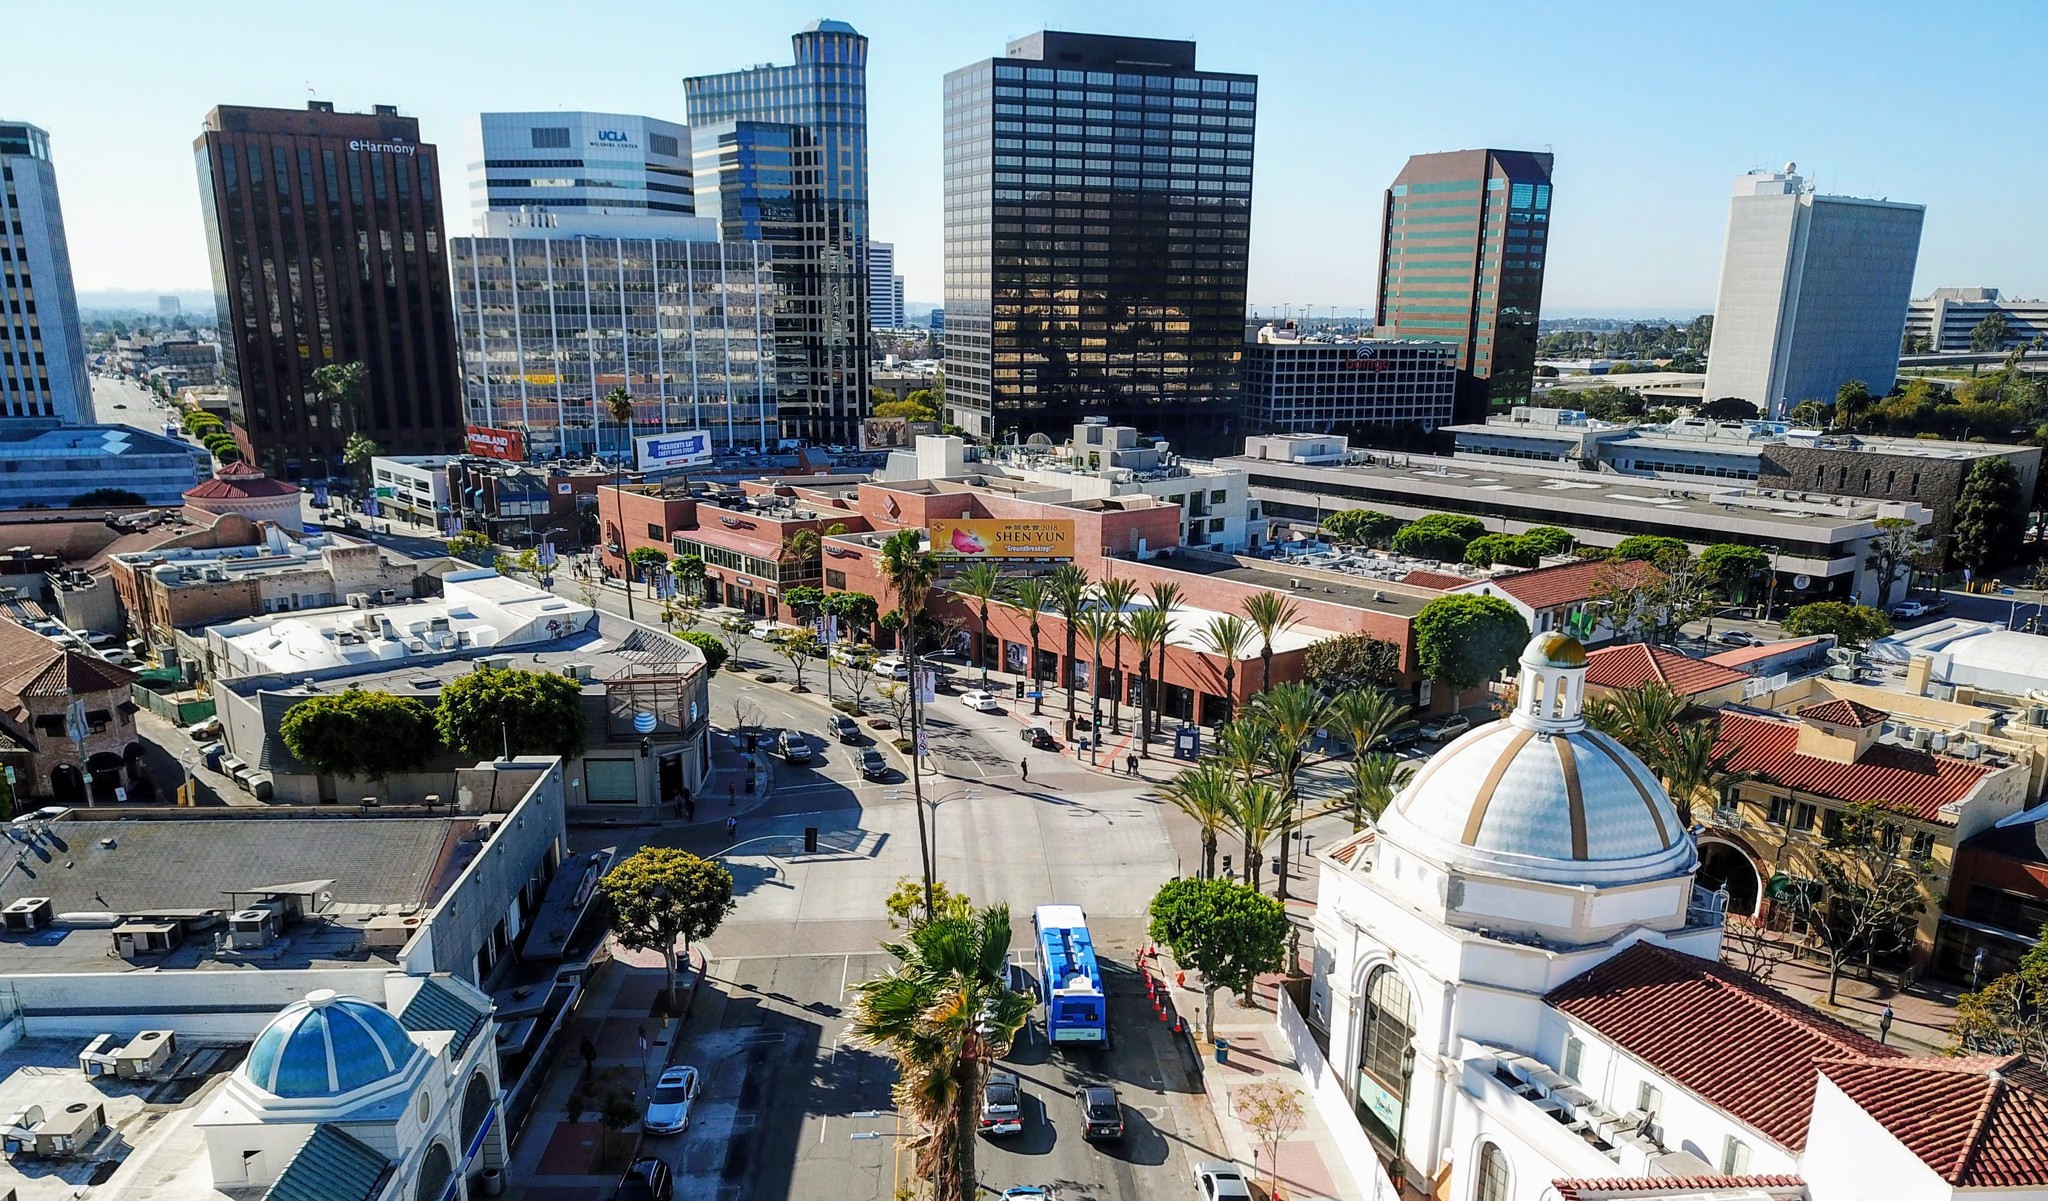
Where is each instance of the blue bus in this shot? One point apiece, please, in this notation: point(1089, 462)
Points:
point(1076, 1007)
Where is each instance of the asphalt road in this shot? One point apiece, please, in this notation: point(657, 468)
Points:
point(790, 1109)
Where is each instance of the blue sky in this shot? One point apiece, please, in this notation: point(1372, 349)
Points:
point(1651, 109)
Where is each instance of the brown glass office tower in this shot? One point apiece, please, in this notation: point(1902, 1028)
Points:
point(1463, 236)
point(1098, 226)
point(327, 244)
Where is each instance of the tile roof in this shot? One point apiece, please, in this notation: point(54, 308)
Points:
point(32, 665)
point(1442, 581)
point(1736, 1044)
point(239, 479)
point(1634, 664)
point(1839, 712)
point(1743, 656)
point(1912, 782)
point(1977, 1121)
point(438, 1007)
point(331, 1166)
point(1569, 583)
point(1635, 1187)
point(1347, 851)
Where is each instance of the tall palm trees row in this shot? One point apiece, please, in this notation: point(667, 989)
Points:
point(1250, 783)
point(1102, 613)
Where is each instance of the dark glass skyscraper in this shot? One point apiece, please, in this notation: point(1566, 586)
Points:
point(1463, 239)
point(1098, 226)
point(781, 157)
point(327, 245)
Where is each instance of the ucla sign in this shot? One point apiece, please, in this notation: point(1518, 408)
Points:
point(612, 135)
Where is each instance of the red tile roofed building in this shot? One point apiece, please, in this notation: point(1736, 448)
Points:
point(1553, 598)
point(1440, 581)
point(1975, 1122)
point(245, 490)
point(39, 682)
point(1805, 771)
point(1635, 664)
point(1734, 1043)
point(1757, 656)
point(1683, 1188)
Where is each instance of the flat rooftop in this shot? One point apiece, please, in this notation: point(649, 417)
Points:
point(1315, 584)
point(99, 872)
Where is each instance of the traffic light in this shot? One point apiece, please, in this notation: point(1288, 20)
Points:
point(1226, 867)
point(1020, 689)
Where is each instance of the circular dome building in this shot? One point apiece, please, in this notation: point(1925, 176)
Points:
point(1542, 796)
point(328, 1046)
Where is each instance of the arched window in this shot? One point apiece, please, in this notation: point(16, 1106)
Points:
point(435, 1172)
point(1493, 1175)
point(476, 1106)
point(1387, 1029)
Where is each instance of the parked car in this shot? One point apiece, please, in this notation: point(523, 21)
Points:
point(205, 731)
point(1444, 728)
point(892, 667)
point(1102, 1115)
point(1405, 735)
point(647, 1180)
point(668, 1110)
point(982, 702)
point(873, 764)
point(848, 655)
point(845, 729)
point(1219, 1180)
point(1736, 638)
point(1002, 1104)
point(793, 746)
point(1030, 1192)
point(1911, 610)
point(1040, 737)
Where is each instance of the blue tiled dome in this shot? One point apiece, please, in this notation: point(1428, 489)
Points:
point(325, 1046)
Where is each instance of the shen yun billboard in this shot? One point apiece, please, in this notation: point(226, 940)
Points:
point(1049, 541)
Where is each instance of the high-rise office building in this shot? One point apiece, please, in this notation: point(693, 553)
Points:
point(608, 163)
point(885, 287)
point(1463, 238)
point(780, 156)
point(42, 346)
point(328, 247)
point(556, 310)
point(1098, 225)
point(1813, 294)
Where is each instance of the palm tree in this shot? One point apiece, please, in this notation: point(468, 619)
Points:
point(1029, 597)
point(910, 570)
point(1640, 718)
point(944, 1012)
point(1204, 792)
point(1148, 629)
point(1116, 594)
point(1227, 637)
point(1365, 716)
point(1165, 597)
point(1067, 589)
point(357, 453)
point(983, 582)
point(1241, 746)
point(1099, 627)
point(1293, 712)
point(1272, 614)
point(1692, 770)
point(1376, 779)
point(618, 405)
point(1260, 813)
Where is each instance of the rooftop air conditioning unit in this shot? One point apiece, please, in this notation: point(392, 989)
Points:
point(1968, 750)
point(1294, 584)
point(358, 600)
point(252, 929)
point(580, 672)
point(27, 915)
point(494, 662)
point(387, 596)
point(1842, 671)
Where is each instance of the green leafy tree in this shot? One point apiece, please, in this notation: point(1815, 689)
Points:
point(2009, 1015)
point(907, 408)
point(1228, 638)
point(1871, 894)
point(804, 600)
point(1812, 413)
point(1272, 615)
point(715, 653)
point(644, 562)
point(1651, 548)
point(1442, 536)
point(945, 1012)
point(1488, 550)
point(1852, 625)
point(1230, 933)
point(340, 387)
point(1204, 792)
point(1376, 779)
point(1067, 591)
point(1465, 640)
point(1165, 597)
point(1292, 714)
point(662, 896)
point(1148, 629)
point(1115, 595)
point(689, 571)
point(486, 712)
point(800, 648)
point(981, 582)
point(1991, 333)
point(1730, 408)
point(1893, 544)
point(1990, 515)
point(110, 498)
point(472, 546)
point(360, 735)
point(1852, 404)
point(1731, 569)
point(855, 611)
point(1549, 540)
point(1353, 661)
point(905, 902)
point(357, 453)
point(1029, 597)
point(1362, 527)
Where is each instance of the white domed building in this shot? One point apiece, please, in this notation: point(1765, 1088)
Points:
point(1516, 995)
point(358, 1102)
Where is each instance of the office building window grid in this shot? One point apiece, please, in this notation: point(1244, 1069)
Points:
point(1331, 387)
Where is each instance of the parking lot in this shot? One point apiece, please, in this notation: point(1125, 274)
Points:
point(790, 1110)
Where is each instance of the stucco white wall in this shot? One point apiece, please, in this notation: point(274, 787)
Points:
point(1849, 1157)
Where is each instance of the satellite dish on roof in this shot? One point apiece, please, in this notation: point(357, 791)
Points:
point(1791, 168)
point(1038, 442)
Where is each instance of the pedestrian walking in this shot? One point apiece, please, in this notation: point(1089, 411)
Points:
point(589, 1052)
point(1024, 766)
point(689, 808)
point(732, 794)
point(1131, 763)
point(732, 829)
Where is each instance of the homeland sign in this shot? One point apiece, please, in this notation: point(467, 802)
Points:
point(493, 443)
point(1048, 541)
point(659, 452)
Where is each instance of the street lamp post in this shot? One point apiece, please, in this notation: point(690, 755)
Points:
point(1401, 1129)
point(928, 849)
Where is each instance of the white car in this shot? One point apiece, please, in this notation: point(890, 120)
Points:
point(668, 1110)
point(984, 702)
point(1219, 1180)
point(892, 668)
point(1002, 1104)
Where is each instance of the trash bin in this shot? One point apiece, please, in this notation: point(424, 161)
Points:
point(1222, 1050)
point(493, 1181)
point(1084, 742)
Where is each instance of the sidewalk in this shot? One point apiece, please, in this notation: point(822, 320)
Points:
point(1258, 1054)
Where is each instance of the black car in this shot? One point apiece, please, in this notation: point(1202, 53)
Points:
point(872, 764)
point(1040, 737)
point(1102, 1115)
point(845, 729)
point(647, 1180)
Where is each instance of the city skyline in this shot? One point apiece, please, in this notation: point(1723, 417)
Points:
point(1642, 160)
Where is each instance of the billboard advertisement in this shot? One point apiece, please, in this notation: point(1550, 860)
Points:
point(1044, 541)
point(893, 433)
point(659, 452)
point(494, 443)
